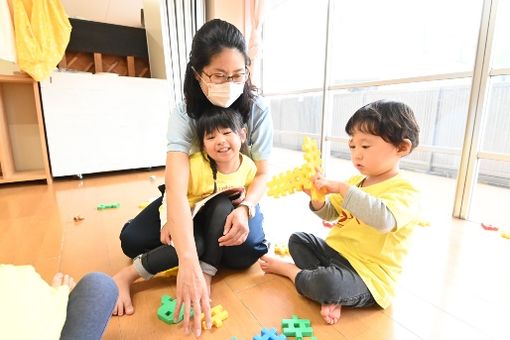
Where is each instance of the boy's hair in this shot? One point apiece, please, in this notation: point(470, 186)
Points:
point(392, 121)
point(213, 119)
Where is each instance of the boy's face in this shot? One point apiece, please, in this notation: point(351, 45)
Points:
point(374, 157)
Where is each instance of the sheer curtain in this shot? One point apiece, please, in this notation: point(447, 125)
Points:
point(255, 16)
point(183, 18)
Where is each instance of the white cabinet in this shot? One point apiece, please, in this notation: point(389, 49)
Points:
point(104, 122)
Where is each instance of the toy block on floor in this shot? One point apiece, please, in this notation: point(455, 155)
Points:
point(297, 328)
point(300, 177)
point(172, 272)
point(167, 310)
point(218, 314)
point(281, 249)
point(102, 206)
point(269, 334)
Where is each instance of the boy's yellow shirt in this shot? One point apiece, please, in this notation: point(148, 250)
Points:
point(377, 257)
point(29, 307)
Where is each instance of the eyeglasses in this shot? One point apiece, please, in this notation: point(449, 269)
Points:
point(220, 78)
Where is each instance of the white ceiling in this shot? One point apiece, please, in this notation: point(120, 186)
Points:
point(120, 12)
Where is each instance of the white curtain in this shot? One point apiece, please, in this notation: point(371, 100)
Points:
point(183, 19)
point(256, 14)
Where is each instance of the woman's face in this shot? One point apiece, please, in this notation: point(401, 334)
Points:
point(226, 63)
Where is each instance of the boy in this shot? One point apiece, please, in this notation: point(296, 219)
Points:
point(358, 263)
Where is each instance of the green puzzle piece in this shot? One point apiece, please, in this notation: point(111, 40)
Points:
point(296, 327)
point(167, 309)
point(102, 206)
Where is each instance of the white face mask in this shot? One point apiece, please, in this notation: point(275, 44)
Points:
point(223, 94)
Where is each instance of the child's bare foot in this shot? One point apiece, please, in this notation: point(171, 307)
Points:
point(331, 313)
point(276, 266)
point(123, 280)
point(61, 279)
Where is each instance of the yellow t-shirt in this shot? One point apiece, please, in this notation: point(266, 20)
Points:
point(29, 307)
point(201, 182)
point(377, 257)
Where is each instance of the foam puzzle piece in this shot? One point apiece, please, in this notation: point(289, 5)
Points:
point(172, 272)
point(296, 327)
point(144, 204)
point(218, 314)
point(102, 206)
point(269, 334)
point(166, 310)
point(300, 177)
point(281, 249)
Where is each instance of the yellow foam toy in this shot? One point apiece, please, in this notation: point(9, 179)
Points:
point(281, 249)
point(218, 314)
point(169, 272)
point(300, 177)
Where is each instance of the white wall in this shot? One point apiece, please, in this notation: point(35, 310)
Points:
point(232, 11)
point(119, 12)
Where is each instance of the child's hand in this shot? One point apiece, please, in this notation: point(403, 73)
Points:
point(323, 184)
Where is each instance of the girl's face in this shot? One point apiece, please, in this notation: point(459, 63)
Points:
point(375, 158)
point(223, 146)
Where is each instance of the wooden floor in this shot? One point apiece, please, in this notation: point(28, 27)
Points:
point(456, 284)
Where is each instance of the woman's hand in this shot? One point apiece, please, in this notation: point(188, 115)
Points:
point(192, 291)
point(236, 228)
point(164, 235)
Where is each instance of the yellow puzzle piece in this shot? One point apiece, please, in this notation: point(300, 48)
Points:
point(281, 249)
point(218, 314)
point(169, 272)
point(292, 181)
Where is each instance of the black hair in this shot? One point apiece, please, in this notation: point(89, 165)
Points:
point(214, 119)
point(392, 121)
point(211, 39)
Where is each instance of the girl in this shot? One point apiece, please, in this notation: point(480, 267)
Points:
point(220, 167)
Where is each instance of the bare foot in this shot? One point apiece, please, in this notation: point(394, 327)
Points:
point(331, 313)
point(61, 279)
point(274, 265)
point(123, 280)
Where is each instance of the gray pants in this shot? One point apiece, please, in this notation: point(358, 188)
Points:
point(90, 307)
point(326, 276)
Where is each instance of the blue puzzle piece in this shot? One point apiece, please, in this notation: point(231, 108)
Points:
point(269, 334)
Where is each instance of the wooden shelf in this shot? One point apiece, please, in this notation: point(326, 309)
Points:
point(24, 176)
point(23, 153)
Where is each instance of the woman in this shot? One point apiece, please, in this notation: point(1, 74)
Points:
point(216, 75)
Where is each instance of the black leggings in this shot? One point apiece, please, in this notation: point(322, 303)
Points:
point(142, 236)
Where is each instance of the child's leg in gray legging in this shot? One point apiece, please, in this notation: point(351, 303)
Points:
point(90, 306)
point(326, 276)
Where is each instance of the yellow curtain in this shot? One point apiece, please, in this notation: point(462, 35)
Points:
point(42, 32)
